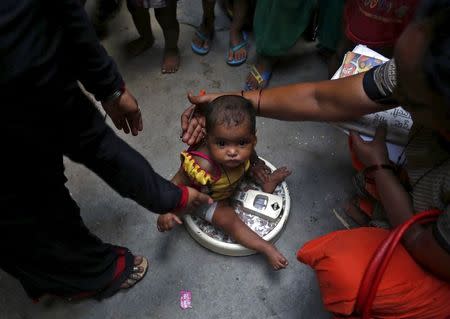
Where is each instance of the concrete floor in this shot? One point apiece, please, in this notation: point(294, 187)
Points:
point(222, 287)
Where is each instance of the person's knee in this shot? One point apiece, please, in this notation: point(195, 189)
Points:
point(224, 221)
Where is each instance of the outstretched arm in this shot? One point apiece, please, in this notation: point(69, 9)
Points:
point(336, 100)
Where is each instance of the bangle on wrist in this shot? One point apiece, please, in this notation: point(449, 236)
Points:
point(115, 95)
point(377, 167)
point(258, 107)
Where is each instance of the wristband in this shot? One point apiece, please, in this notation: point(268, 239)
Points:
point(184, 197)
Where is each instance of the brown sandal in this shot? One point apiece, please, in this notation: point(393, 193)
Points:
point(138, 272)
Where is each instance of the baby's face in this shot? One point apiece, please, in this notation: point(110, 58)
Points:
point(231, 146)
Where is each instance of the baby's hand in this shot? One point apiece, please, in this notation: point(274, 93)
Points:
point(168, 221)
point(260, 172)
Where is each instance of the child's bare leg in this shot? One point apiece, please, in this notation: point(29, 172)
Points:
point(207, 26)
point(240, 9)
point(274, 178)
point(141, 19)
point(225, 218)
point(167, 19)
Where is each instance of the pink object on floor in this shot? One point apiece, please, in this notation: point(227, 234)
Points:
point(185, 299)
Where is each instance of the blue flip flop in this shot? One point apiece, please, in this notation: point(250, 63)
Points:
point(259, 77)
point(204, 38)
point(237, 47)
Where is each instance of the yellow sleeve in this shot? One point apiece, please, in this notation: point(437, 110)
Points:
point(194, 171)
point(247, 165)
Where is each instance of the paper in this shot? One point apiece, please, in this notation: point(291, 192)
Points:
point(398, 120)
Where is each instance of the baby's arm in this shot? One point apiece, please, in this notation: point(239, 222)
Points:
point(263, 175)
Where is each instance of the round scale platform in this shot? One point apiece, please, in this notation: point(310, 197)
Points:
point(216, 240)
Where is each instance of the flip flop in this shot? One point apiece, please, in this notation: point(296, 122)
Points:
point(237, 47)
point(136, 276)
point(259, 77)
point(201, 50)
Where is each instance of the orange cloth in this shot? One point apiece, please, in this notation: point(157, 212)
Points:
point(406, 290)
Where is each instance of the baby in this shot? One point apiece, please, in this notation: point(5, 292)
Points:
point(218, 164)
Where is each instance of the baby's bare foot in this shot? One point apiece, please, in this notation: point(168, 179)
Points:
point(139, 45)
point(275, 178)
point(171, 61)
point(275, 258)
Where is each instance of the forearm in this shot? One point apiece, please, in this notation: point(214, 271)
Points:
point(418, 240)
point(337, 100)
point(396, 201)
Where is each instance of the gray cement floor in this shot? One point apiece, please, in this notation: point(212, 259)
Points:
point(222, 287)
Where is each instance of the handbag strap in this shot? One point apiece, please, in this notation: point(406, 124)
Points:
point(380, 260)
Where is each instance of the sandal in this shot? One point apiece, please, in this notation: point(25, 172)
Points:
point(262, 79)
point(243, 44)
point(138, 272)
point(200, 50)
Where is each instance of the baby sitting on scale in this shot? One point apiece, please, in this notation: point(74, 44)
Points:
point(216, 166)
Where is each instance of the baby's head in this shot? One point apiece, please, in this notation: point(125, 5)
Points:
point(230, 130)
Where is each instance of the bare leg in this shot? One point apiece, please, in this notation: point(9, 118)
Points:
point(141, 19)
point(263, 64)
point(225, 218)
point(240, 8)
point(207, 26)
point(167, 19)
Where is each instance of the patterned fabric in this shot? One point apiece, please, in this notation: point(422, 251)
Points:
point(219, 185)
point(429, 172)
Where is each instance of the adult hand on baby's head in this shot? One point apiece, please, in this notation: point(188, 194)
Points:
point(371, 152)
point(193, 124)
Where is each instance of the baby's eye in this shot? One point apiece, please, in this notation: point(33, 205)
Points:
point(220, 143)
point(243, 142)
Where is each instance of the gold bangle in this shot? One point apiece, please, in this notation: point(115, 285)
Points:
point(258, 109)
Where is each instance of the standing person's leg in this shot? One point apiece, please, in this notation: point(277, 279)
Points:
point(167, 19)
point(277, 26)
point(330, 32)
point(201, 42)
point(56, 253)
point(104, 11)
point(225, 218)
point(141, 20)
point(237, 54)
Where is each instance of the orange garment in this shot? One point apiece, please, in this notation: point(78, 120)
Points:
point(406, 290)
